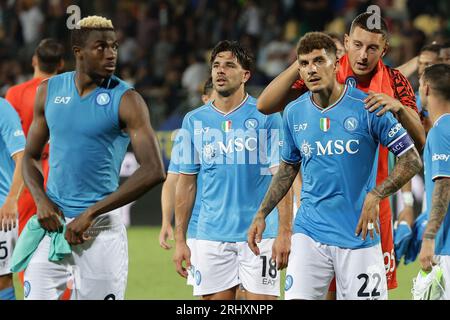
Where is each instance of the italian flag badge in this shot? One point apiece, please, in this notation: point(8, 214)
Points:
point(226, 126)
point(324, 124)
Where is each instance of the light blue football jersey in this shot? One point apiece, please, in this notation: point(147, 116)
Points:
point(233, 153)
point(174, 168)
point(87, 145)
point(12, 140)
point(338, 150)
point(437, 165)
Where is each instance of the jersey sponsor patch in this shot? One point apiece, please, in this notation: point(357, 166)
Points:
point(400, 145)
point(440, 157)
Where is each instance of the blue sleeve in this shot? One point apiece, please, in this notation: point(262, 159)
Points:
point(290, 153)
point(439, 146)
point(10, 128)
point(189, 158)
point(390, 133)
point(174, 163)
point(274, 126)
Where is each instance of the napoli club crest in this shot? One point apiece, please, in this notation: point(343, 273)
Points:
point(103, 99)
point(351, 82)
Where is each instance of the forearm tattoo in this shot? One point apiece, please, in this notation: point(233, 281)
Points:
point(439, 207)
point(279, 186)
point(406, 167)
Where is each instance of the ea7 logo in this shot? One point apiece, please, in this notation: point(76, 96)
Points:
point(395, 130)
point(300, 127)
point(64, 100)
point(198, 131)
point(440, 157)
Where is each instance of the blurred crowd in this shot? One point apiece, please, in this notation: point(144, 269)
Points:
point(165, 44)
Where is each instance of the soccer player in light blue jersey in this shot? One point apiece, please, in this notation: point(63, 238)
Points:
point(168, 199)
point(330, 135)
point(233, 147)
point(435, 97)
point(90, 116)
point(12, 144)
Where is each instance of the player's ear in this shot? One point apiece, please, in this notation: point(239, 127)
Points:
point(76, 51)
point(61, 65)
point(34, 61)
point(346, 42)
point(385, 49)
point(246, 76)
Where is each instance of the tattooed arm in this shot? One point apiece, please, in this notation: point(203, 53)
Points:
point(406, 167)
point(280, 185)
point(439, 208)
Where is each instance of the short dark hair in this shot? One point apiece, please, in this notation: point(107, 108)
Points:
point(316, 40)
point(49, 54)
point(208, 87)
point(243, 56)
point(433, 47)
point(363, 22)
point(438, 75)
point(86, 25)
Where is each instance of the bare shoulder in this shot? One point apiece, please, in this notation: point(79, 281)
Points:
point(133, 108)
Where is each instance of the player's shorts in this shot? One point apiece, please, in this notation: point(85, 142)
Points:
point(387, 246)
point(191, 242)
point(444, 263)
point(224, 265)
point(96, 269)
point(312, 265)
point(8, 241)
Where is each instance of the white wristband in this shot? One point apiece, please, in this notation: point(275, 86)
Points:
point(408, 199)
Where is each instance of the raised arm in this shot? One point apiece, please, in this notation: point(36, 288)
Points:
point(403, 106)
point(48, 213)
point(409, 67)
point(279, 92)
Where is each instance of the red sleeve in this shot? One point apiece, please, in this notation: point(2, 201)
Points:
point(403, 90)
point(11, 97)
point(300, 85)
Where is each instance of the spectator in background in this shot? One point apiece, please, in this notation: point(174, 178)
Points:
point(194, 76)
point(31, 20)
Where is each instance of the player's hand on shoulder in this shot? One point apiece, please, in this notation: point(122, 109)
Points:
point(8, 215)
point(368, 221)
point(49, 215)
point(254, 234)
point(76, 229)
point(376, 100)
point(182, 254)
